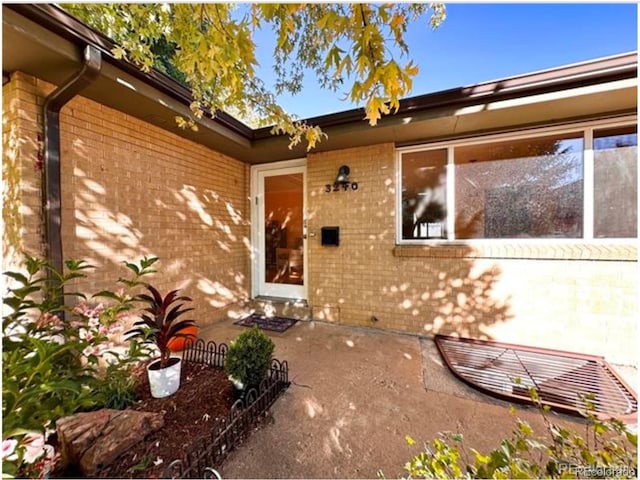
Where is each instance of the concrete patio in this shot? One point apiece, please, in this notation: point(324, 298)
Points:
point(356, 394)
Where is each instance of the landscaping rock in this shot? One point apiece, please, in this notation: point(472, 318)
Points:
point(94, 439)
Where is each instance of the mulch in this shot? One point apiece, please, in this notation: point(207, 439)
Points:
point(205, 394)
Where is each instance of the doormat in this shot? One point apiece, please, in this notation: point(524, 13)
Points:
point(275, 324)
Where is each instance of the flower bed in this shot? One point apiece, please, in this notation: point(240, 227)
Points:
point(64, 365)
point(203, 421)
point(208, 452)
point(204, 396)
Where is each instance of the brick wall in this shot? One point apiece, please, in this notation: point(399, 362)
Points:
point(130, 190)
point(21, 194)
point(572, 297)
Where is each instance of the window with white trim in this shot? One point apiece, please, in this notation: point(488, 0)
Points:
point(579, 183)
point(615, 177)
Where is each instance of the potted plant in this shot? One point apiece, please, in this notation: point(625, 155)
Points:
point(249, 358)
point(158, 326)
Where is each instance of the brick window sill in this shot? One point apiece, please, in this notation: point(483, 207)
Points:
point(534, 250)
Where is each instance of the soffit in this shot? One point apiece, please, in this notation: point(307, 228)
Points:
point(34, 50)
point(618, 98)
point(22, 49)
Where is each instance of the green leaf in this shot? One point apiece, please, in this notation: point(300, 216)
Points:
point(133, 267)
point(24, 292)
point(33, 264)
point(18, 277)
point(525, 428)
point(480, 458)
point(108, 294)
point(75, 265)
point(145, 263)
point(599, 428)
point(587, 456)
point(13, 302)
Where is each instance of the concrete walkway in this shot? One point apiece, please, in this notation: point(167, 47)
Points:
point(356, 394)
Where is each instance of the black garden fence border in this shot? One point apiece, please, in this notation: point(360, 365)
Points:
point(209, 451)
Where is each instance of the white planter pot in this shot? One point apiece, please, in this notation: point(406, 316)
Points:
point(236, 383)
point(164, 381)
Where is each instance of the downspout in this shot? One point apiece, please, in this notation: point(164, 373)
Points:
point(51, 186)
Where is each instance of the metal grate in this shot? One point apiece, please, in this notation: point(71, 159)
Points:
point(563, 379)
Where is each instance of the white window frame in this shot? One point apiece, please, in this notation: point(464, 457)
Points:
point(257, 236)
point(587, 128)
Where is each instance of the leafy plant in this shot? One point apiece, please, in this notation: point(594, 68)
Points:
point(607, 449)
point(249, 357)
point(117, 390)
point(142, 465)
point(356, 48)
point(159, 325)
point(49, 362)
point(54, 356)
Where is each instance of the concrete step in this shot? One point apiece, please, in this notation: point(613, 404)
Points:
point(282, 307)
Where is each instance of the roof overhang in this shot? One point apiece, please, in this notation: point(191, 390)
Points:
point(53, 55)
point(611, 99)
point(51, 41)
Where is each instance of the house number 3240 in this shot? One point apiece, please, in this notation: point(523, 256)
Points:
point(336, 187)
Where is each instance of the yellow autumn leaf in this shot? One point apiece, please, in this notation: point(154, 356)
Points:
point(397, 20)
point(210, 47)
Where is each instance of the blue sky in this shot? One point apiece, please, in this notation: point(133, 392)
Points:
point(482, 42)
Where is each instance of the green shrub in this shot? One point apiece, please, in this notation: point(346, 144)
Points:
point(607, 450)
point(117, 390)
point(249, 357)
point(54, 357)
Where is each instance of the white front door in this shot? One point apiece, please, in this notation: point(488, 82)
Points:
point(279, 229)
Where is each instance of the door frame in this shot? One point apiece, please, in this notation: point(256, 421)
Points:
point(257, 235)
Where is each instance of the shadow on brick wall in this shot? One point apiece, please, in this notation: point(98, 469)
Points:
point(430, 289)
point(139, 204)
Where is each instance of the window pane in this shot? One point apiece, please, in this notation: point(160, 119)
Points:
point(283, 221)
point(615, 209)
point(529, 188)
point(424, 193)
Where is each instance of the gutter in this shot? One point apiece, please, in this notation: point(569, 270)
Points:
point(52, 192)
point(70, 28)
point(618, 67)
point(581, 74)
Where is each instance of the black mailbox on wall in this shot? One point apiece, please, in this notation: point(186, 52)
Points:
point(330, 236)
